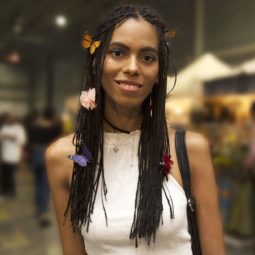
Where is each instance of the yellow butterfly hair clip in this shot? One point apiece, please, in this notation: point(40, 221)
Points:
point(88, 43)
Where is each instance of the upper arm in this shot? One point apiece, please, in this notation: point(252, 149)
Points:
point(205, 191)
point(59, 169)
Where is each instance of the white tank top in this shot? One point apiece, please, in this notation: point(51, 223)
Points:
point(121, 175)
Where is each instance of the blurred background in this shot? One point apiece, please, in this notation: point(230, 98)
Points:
point(42, 68)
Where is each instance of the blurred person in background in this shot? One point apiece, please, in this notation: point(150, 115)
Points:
point(13, 139)
point(240, 222)
point(123, 194)
point(28, 122)
point(250, 159)
point(43, 129)
point(2, 115)
point(250, 164)
point(1, 123)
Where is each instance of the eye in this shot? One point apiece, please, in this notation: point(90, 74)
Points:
point(148, 58)
point(117, 52)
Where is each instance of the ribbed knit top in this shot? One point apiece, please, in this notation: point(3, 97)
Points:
point(121, 176)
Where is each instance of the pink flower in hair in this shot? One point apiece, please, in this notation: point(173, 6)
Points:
point(87, 99)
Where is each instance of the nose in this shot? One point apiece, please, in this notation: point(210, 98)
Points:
point(132, 67)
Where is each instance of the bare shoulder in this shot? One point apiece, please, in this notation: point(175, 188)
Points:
point(58, 165)
point(196, 142)
point(59, 170)
point(62, 146)
point(204, 189)
point(198, 149)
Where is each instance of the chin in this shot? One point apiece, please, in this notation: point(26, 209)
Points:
point(129, 104)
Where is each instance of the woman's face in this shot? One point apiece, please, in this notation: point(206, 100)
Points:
point(131, 64)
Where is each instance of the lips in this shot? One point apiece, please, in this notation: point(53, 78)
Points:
point(129, 84)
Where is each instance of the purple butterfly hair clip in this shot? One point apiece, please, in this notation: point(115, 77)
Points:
point(82, 159)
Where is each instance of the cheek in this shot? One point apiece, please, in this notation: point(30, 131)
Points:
point(157, 70)
point(108, 69)
point(105, 74)
point(153, 75)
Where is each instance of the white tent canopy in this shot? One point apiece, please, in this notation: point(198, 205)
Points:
point(190, 79)
point(248, 67)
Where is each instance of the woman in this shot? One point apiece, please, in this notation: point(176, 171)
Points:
point(121, 197)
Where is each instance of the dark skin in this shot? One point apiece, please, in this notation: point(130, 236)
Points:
point(202, 177)
point(59, 169)
point(123, 103)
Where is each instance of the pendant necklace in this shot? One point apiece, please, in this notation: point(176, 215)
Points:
point(115, 147)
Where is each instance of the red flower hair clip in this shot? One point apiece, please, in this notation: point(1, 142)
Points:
point(167, 163)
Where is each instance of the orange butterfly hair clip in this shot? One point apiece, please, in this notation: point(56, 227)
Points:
point(88, 43)
point(170, 34)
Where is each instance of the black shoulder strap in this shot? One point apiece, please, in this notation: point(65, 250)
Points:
point(182, 158)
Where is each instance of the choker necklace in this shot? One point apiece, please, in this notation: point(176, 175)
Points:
point(116, 128)
point(116, 147)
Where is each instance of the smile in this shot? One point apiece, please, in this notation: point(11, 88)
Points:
point(129, 85)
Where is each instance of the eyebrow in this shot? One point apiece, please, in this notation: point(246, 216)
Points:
point(145, 49)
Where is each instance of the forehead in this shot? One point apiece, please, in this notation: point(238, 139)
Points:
point(136, 31)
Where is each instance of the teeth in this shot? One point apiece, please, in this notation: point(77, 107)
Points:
point(128, 86)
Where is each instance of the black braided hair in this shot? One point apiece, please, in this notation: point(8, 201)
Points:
point(90, 131)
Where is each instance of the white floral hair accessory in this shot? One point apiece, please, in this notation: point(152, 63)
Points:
point(87, 99)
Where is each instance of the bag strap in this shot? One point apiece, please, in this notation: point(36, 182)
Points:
point(181, 153)
point(183, 162)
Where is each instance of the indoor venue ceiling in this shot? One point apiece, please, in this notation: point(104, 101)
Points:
point(223, 27)
point(29, 27)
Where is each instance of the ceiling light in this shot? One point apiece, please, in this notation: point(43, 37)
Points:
point(61, 21)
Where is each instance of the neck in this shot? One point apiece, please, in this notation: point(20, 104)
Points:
point(124, 119)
